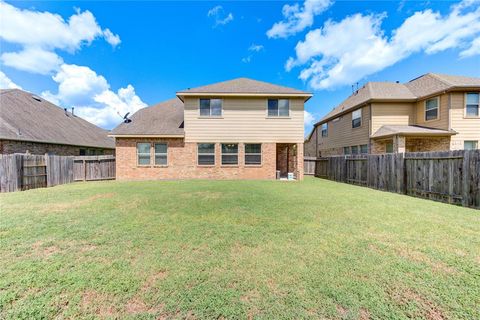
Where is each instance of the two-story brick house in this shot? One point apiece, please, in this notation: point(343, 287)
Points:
point(237, 129)
point(433, 112)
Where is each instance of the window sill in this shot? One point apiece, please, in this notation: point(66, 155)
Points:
point(471, 117)
point(229, 166)
point(206, 165)
point(210, 117)
point(144, 165)
point(161, 166)
point(279, 117)
point(253, 166)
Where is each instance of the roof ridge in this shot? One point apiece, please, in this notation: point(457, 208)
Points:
point(437, 76)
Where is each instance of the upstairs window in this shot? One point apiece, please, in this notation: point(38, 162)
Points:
point(354, 149)
point(324, 129)
point(161, 154)
point(278, 107)
point(210, 107)
point(253, 154)
point(206, 154)
point(229, 153)
point(143, 154)
point(472, 105)
point(431, 109)
point(346, 150)
point(357, 118)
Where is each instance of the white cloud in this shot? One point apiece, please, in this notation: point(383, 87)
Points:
point(473, 50)
point(39, 34)
point(219, 15)
point(256, 47)
point(298, 18)
point(90, 94)
point(32, 59)
point(247, 59)
point(6, 83)
point(342, 53)
point(308, 118)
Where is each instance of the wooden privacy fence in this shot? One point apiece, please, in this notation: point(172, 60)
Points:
point(309, 165)
point(25, 171)
point(450, 176)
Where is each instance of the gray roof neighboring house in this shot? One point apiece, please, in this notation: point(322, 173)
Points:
point(419, 88)
point(243, 86)
point(391, 130)
point(26, 117)
point(163, 119)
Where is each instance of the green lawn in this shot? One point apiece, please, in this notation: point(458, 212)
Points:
point(236, 250)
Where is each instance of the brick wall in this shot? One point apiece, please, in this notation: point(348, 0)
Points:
point(182, 162)
point(13, 146)
point(413, 144)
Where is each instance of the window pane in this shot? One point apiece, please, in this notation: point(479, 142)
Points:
point(283, 107)
point(470, 145)
point(229, 159)
point(253, 159)
point(143, 148)
point(229, 148)
point(324, 129)
point(364, 148)
point(354, 149)
point(272, 107)
point(160, 148)
point(346, 150)
point(206, 159)
point(204, 107)
point(472, 110)
point(206, 148)
point(431, 104)
point(356, 123)
point(253, 148)
point(473, 98)
point(431, 114)
point(144, 159)
point(161, 160)
point(216, 107)
point(357, 114)
point(389, 147)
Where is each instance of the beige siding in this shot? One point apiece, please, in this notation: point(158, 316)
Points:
point(467, 128)
point(441, 122)
point(244, 120)
point(310, 147)
point(341, 134)
point(391, 114)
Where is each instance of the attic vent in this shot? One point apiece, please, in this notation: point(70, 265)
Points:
point(37, 98)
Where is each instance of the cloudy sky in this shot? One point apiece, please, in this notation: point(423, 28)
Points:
point(108, 58)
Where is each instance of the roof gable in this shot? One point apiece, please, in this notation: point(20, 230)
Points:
point(30, 118)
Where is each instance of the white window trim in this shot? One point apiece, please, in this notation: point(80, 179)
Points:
point(230, 154)
point(425, 109)
point(210, 116)
point(150, 153)
point(245, 155)
point(214, 155)
point(361, 120)
point(465, 115)
point(277, 116)
point(155, 155)
point(326, 130)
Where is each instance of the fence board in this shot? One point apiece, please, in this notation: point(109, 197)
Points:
point(449, 176)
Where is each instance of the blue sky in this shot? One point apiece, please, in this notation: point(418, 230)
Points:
point(111, 57)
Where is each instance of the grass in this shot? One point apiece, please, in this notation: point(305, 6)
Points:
point(236, 250)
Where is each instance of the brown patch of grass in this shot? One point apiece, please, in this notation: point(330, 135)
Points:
point(342, 311)
point(364, 314)
point(44, 251)
point(209, 195)
point(428, 309)
point(62, 206)
point(98, 303)
point(418, 256)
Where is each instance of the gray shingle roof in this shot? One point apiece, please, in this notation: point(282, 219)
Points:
point(23, 117)
point(243, 85)
point(165, 118)
point(418, 88)
point(390, 130)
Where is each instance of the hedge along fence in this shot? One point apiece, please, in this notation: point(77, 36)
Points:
point(25, 171)
point(450, 176)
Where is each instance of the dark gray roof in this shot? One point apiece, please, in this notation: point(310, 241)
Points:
point(26, 117)
point(165, 118)
point(243, 85)
point(423, 86)
point(390, 130)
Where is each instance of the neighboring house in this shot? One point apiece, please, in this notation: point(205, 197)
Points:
point(30, 124)
point(434, 112)
point(237, 129)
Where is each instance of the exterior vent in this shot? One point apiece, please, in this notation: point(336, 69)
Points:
point(37, 98)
